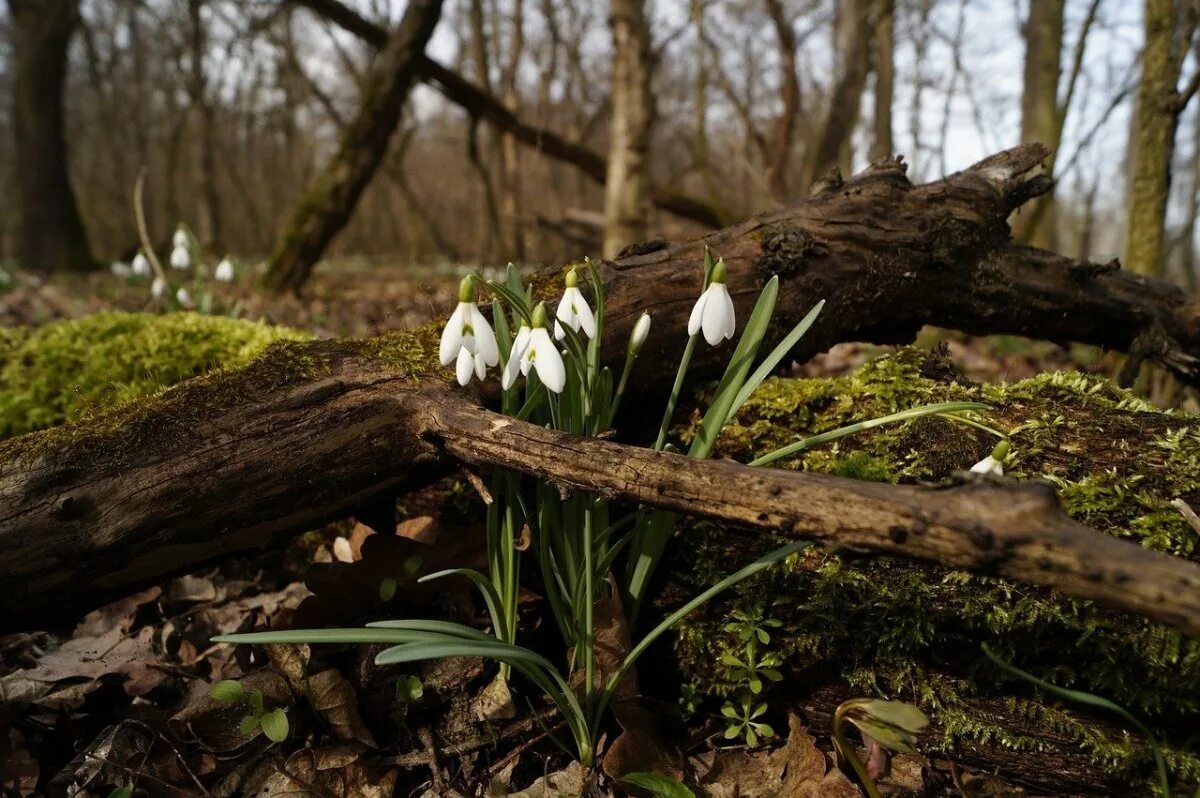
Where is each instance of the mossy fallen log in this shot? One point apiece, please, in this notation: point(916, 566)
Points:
point(908, 630)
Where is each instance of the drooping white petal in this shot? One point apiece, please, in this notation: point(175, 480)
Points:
point(180, 258)
point(452, 335)
point(480, 367)
point(485, 338)
point(513, 367)
point(697, 316)
point(141, 265)
point(585, 317)
point(158, 287)
point(717, 321)
point(544, 356)
point(180, 239)
point(184, 297)
point(731, 315)
point(464, 367)
point(988, 465)
point(224, 272)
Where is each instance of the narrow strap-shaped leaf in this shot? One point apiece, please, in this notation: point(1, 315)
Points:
point(772, 360)
point(841, 432)
point(490, 597)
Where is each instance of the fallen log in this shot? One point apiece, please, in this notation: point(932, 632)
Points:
point(309, 430)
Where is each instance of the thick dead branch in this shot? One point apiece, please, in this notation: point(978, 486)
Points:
point(312, 430)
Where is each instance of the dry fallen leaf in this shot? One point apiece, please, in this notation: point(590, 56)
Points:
point(567, 783)
point(336, 771)
point(808, 772)
point(332, 697)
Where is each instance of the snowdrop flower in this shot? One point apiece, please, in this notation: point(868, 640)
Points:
point(184, 297)
point(224, 272)
point(141, 264)
point(541, 354)
point(180, 257)
point(993, 464)
point(713, 311)
point(180, 239)
point(640, 332)
point(573, 310)
point(158, 288)
point(468, 340)
point(120, 269)
point(342, 551)
point(513, 367)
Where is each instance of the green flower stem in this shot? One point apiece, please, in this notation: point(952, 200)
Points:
point(676, 389)
point(850, 754)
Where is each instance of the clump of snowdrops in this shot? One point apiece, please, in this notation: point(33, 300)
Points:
point(189, 284)
point(551, 374)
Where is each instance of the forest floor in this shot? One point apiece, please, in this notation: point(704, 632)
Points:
point(122, 701)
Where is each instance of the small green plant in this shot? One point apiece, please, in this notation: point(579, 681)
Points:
point(893, 725)
point(741, 721)
point(273, 722)
point(657, 785)
point(409, 689)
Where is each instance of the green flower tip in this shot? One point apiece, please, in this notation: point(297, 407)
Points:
point(718, 273)
point(466, 289)
point(539, 315)
point(572, 279)
point(1001, 450)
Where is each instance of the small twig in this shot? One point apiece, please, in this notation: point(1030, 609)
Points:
point(1188, 513)
point(139, 215)
point(416, 759)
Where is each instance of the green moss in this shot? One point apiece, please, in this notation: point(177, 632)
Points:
point(137, 427)
point(893, 628)
point(63, 370)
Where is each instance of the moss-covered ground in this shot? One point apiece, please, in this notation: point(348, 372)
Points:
point(888, 627)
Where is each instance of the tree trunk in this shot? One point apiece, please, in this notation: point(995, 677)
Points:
point(884, 60)
point(310, 431)
point(327, 204)
point(210, 229)
point(626, 187)
point(829, 147)
point(1043, 33)
point(789, 96)
point(1152, 140)
point(52, 233)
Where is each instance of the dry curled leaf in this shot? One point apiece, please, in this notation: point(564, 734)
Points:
point(332, 697)
point(809, 773)
point(335, 771)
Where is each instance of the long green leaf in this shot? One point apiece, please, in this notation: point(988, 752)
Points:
point(1090, 700)
point(765, 561)
point(495, 605)
point(850, 429)
point(772, 360)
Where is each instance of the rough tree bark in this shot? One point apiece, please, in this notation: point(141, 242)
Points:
point(327, 204)
point(52, 233)
point(311, 430)
point(626, 186)
point(883, 59)
point(1169, 26)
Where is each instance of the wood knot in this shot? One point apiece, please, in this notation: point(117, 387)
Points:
point(783, 250)
point(643, 248)
point(898, 534)
point(69, 506)
point(1087, 269)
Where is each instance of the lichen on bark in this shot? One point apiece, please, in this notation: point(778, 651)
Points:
point(912, 631)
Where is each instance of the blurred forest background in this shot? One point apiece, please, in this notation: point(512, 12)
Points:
point(695, 113)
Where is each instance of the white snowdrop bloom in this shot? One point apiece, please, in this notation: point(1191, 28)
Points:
point(341, 550)
point(180, 258)
point(224, 272)
point(641, 330)
point(158, 288)
point(120, 269)
point(180, 239)
point(513, 367)
point(573, 310)
point(141, 264)
point(993, 464)
point(466, 335)
point(713, 312)
point(184, 297)
point(542, 355)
